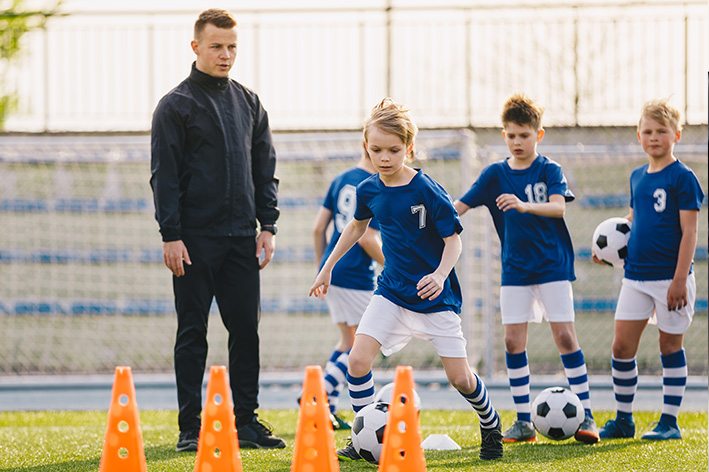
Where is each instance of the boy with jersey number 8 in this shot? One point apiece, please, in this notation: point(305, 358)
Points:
point(417, 294)
point(659, 285)
point(526, 195)
point(352, 283)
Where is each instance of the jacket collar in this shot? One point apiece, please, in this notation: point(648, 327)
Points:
point(206, 80)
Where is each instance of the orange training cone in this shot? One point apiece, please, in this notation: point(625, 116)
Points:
point(401, 450)
point(218, 447)
point(123, 444)
point(314, 449)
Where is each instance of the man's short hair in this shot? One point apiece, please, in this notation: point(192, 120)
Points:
point(522, 110)
point(217, 17)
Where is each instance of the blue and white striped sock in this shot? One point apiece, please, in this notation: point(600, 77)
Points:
point(480, 401)
point(674, 381)
point(335, 376)
point(625, 384)
point(518, 374)
point(361, 390)
point(577, 375)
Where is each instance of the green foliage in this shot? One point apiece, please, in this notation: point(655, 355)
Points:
point(15, 21)
point(73, 441)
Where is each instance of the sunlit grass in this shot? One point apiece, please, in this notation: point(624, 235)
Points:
point(73, 441)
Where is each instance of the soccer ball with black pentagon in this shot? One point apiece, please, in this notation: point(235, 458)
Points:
point(368, 431)
point(557, 413)
point(610, 241)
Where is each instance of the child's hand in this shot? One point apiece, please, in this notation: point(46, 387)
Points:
point(430, 286)
point(508, 201)
point(320, 285)
point(677, 295)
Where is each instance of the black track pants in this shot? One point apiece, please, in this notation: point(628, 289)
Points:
point(228, 269)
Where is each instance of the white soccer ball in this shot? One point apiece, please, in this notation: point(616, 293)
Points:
point(610, 241)
point(386, 393)
point(368, 431)
point(557, 413)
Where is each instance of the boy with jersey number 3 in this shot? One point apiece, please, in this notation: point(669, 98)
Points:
point(418, 294)
point(526, 195)
point(659, 285)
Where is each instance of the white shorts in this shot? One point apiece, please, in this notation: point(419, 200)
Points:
point(647, 300)
point(524, 303)
point(393, 327)
point(346, 305)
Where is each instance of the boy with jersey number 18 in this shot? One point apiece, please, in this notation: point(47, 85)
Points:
point(526, 195)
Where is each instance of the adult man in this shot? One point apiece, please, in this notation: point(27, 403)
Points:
point(213, 167)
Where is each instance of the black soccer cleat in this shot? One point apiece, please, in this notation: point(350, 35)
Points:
point(491, 444)
point(348, 453)
point(256, 435)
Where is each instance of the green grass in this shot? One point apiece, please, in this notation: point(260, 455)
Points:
point(73, 441)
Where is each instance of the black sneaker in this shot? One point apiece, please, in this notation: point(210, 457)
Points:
point(491, 444)
point(256, 435)
point(188, 441)
point(348, 453)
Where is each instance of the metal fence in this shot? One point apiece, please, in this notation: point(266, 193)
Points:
point(83, 287)
point(321, 66)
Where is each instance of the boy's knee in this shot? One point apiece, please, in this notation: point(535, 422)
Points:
point(514, 345)
point(565, 337)
point(669, 345)
point(357, 365)
point(464, 383)
point(566, 342)
point(622, 350)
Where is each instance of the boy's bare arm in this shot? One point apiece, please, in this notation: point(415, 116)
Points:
point(322, 221)
point(460, 207)
point(350, 235)
point(554, 208)
point(677, 293)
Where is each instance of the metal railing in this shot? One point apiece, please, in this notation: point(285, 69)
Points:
point(318, 67)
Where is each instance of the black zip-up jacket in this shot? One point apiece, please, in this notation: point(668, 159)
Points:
point(212, 160)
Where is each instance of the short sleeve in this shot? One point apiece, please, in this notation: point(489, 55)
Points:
point(689, 191)
point(446, 217)
point(362, 211)
point(556, 182)
point(477, 194)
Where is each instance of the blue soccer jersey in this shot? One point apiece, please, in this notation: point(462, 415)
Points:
point(656, 199)
point(355, 269)
point(535, 249)
point(413, 220)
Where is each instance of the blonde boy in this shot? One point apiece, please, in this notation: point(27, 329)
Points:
point(659, 285)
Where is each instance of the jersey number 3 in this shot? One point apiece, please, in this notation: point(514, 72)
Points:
point(660, 199)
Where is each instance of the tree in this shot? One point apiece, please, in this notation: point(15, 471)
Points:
point(15, 21)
